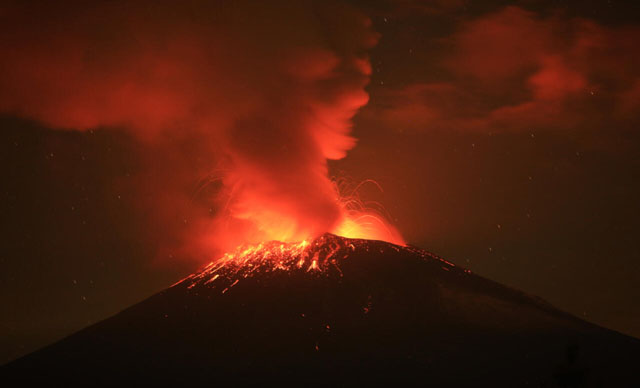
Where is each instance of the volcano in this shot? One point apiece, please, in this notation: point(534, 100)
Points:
point(337, 311)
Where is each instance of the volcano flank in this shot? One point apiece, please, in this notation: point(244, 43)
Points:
point(337, 311)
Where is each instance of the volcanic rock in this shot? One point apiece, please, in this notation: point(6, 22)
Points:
point(337, 311)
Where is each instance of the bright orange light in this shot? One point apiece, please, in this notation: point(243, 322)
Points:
point(313, 256)
point(261, 218)
point(362, 219)
point(368, 226)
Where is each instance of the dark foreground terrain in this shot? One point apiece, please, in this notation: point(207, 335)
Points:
point(340, 312)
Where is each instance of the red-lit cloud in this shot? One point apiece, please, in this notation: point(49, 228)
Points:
point(258, 94)
point(516, 70)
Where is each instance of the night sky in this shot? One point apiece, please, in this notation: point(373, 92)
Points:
point(503, 135)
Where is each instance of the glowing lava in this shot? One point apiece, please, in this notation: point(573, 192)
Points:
point(246, 260)
point(321, 256)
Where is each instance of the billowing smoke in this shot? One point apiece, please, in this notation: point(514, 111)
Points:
point(265, 89)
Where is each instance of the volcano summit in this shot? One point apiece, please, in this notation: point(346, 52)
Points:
point(338, 311)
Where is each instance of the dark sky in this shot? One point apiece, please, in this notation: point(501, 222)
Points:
point(504, 136)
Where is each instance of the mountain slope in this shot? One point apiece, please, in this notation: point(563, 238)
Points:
point(338, 311)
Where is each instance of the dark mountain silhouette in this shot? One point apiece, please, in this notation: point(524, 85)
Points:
point(337, 311)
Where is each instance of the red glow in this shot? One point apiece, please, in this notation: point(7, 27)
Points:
point(263, 94)
point(321, 256)
point(258, 218)
point(516, 70)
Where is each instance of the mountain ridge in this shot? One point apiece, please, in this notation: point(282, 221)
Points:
point(338, 310)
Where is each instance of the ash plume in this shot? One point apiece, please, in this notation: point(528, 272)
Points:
point(259, 94)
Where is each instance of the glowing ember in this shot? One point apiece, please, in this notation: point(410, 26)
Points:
point(368, 226)
point(321, 256)
point(315, 256)
point(363, 219)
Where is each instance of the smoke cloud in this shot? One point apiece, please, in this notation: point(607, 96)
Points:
point(519, 70)
point(257, 94)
